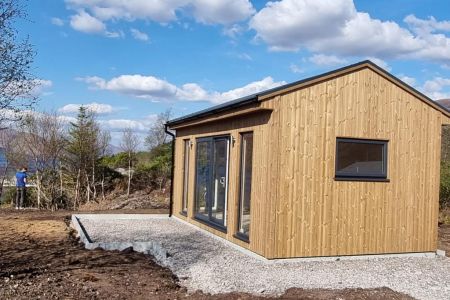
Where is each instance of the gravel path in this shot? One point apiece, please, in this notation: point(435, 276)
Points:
point(211, 265)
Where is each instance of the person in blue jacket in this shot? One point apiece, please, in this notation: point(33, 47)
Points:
point(21, 182)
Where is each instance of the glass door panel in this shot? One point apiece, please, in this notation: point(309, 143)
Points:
point(212, 179)
point(220, 170)
point(245, 184)
point(203, 174)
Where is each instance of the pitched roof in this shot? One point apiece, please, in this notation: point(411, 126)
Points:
point(305, 82)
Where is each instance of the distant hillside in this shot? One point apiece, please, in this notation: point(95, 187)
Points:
point(445, 103)
point(113, 149)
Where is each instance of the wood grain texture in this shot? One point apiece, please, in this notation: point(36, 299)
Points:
point(297, 208)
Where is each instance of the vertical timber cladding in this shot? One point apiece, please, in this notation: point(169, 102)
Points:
point(314, 215)
point(297, 207)
point(256, 122)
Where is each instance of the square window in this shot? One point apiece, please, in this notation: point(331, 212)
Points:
point(361, 159)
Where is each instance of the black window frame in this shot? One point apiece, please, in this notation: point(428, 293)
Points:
point(185, 195)
point(342, 176)
point(199, 217)
point(239, 235)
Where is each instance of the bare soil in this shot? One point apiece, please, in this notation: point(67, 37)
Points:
point(41, 259)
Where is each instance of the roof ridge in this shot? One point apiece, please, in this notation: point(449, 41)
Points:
point(271, 92)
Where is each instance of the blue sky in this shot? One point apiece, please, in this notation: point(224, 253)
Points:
point(130, 60)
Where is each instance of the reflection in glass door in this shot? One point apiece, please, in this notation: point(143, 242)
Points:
point(203, 171)
point(212, 179)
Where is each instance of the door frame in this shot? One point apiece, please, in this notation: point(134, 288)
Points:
point(208, 201)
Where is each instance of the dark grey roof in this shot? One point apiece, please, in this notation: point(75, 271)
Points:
point(254, 98)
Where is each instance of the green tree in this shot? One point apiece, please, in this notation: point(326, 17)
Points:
point(86, 145)
point(161, 164)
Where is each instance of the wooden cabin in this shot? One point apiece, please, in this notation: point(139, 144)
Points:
point(344, 163)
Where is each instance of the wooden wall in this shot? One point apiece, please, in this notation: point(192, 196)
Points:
point(254, 122)
point(298, 209)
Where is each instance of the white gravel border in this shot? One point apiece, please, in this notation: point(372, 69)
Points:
point(217, 266)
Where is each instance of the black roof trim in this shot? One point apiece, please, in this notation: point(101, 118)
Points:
point(409, 86)
point(254, 98)
point(215, 109)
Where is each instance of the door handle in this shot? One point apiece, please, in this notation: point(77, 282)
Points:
point(222, 181)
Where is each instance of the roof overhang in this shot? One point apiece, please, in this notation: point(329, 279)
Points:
point(192, 119)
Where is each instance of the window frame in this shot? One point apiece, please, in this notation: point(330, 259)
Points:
point(186, 158)
point(239, 235)
point(340, 176)
point(197, 216)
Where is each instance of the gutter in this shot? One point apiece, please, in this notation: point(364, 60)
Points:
point(166, 130)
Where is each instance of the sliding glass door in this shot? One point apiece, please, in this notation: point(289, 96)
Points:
point(212, 179)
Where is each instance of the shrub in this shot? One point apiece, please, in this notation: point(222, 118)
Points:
point(444, 192)
point(8, 197)
point(155, 173)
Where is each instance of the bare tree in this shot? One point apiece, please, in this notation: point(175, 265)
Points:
point(16, 58)
point(13, 154)
point(157, 136)
point(129, 144)
point(104, 140)
point(43, 137)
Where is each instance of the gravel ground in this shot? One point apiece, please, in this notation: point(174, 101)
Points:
point(211, 265)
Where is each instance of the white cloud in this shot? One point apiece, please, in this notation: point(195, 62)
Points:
point(139, 35)
point(121, 124)
point(86, 23)
point(192, 92)
point(409, 80)
point(114, 34)
point(422, 26)
point(244, 56)
point(67, 119)
point(10, 114)
point(381, 63)
point(137, 125)
point(28, 88)
point(159, 11)
point(295, 69)
point(249, 89)
point(326, 60)
point(135, 85)
point(98, 108)
point(336, 27)
point(41, 87)
point(204, 11)
point(221, 11)
point(437, 88)
point(233, 31)
point(287, 24)
point(57, 21)
point(153, 88)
